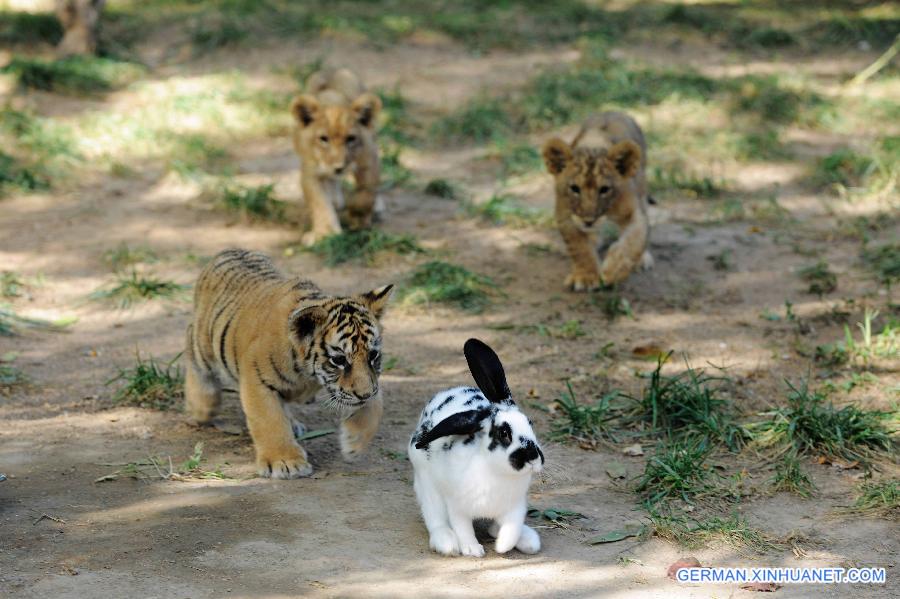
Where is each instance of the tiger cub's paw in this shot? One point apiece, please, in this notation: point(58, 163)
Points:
point(286, 464)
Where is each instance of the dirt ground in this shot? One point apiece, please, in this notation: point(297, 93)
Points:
point(352, 530)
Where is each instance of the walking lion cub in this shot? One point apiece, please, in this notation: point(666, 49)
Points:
point(601, 176)
point(335, 136)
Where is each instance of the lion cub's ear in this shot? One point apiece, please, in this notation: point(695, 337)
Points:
point(367, 106)
point(557, 154)
point(304, 109)
point(377, 299)
point(625, 156)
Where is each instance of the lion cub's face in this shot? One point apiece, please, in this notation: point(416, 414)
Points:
point(332, 135)
point(591, 179)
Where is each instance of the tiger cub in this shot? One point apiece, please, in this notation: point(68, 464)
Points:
point(280, 339)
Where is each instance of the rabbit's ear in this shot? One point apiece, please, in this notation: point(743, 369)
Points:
point(487, 370)
point(461, 423)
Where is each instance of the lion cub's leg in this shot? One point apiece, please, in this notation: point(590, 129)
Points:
point(628, 251)
point(585, 274)
point(202, 393)
point(320, 207)
point(362, 202)
point(358, 429)
point(277, 453)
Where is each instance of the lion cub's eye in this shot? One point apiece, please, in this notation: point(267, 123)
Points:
point(338, 360)
point(605, 190)
point(574, 189)
point(323, 139)
point(351, 139)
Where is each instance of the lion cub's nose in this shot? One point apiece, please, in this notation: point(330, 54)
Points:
point(339, 170)
point(589, 221)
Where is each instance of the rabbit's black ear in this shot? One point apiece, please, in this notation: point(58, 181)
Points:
point(461, 423)
point(487, 370)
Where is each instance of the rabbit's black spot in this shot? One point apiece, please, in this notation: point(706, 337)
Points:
point(500, 435)
point(447, 446)
point(447, 400)
point(527, 453)
point(469, 439)
point(478, 397)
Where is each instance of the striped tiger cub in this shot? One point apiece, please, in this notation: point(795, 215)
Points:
point(280, 339)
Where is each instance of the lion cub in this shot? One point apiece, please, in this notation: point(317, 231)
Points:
point(601, 176)
point(335, 136)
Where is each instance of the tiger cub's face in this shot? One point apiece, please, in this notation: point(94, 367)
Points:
point(341, 342)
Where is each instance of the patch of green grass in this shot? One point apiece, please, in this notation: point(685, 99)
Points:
point(849, 29)
point(150, 384)
point(519, 158)
point(767, 99)
point(124, 256)
point(254, 202)
point(393, 172)
point(27, 28)
point(769, 37)
point(212, 32)
point(507, 210)
point(845, 168)
point(73, 75)
point(790, 477)
point(10, 376)
point(11, 323)
point(881, 499)
point(677, 470)
point(722, 261)
point(193, 153)
point(582, 422)
point(820, 277)
point(442, 282)
point(442, 188)
point(482, 119)
point(884, 261)
point(698, 186)
point(810, 426)
point(395, 123)
point(11, 284)
point(129, 289)
point(13, 174)
point(689, 404)
point(613, 304)
point(762, 144)
point(734, 531)
point(363, 246)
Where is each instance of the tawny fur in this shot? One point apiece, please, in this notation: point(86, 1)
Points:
point(599, 177)
point(334, 135)
point(275, 339)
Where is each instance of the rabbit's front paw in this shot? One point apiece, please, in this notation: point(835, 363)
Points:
point(529, 541)
point(473, 550)
point(444, 541)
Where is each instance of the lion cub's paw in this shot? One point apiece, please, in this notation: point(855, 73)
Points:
point(581, 281)
point(289, 464)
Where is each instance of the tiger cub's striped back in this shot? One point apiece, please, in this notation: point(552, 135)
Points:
point(277, 339)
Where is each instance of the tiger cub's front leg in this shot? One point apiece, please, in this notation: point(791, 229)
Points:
point(358, 429)
point(278, 455)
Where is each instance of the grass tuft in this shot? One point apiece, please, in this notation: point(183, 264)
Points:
point(11, 284)
point(884, 261)
point(150, 384)
point(677, 470)
point(363, 246)
point(734, 531)
point(253, 202)
point(507, 210)
point(72, 75)
point(689, 404)
point(11, 324)
point(881, 499)
point(809, 426)
point(582, 422)
point(442, 282)
point(790, 477)
point(134, 287)
point(442, 188)
point(821, 279)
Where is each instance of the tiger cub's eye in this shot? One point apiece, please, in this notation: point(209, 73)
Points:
point(338, 360)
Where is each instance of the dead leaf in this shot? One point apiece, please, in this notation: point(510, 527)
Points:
point(762, 587)
point(650, 350)
point(631, 529)
point(633, 450)
point(685, 562)
point(616, 470)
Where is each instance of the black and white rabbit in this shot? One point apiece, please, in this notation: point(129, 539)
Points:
point(474, 453)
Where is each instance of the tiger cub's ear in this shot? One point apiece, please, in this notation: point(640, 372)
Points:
point(303, 322)
point(376, 300)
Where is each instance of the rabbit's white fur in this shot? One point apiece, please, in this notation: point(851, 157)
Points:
point(479, 470)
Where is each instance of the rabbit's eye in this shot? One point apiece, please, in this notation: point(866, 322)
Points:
point(338, 360)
